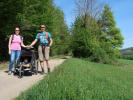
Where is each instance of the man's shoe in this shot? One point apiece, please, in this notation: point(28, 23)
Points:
point(49, 70)
point(42, 71)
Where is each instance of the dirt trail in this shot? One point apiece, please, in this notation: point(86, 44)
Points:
point(12, 86)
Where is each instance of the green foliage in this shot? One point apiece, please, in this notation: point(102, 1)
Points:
point(8, 20)
point(129, 57)
point(8, 14)
point(29, 14)
point(85, 42)
point(110, 33)
point(77, 79)
point(96, 39)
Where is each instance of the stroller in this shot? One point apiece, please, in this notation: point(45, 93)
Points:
point(26, 63)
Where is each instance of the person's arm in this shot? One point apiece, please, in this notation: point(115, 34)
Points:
point(51, 42)
point(9, 44)
point(22, 44)
point(33, 43)
point(50, 39)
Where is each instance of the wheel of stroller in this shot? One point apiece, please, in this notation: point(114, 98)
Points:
point(33, 67)
point(20, 71)
point(16, 68)
point(36, 67)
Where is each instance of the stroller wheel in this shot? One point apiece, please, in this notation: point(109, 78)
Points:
point(36, 67)
point(19, 76)
point(14, 73)
point(20, 72)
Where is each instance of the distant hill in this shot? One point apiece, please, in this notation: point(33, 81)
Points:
point(127, 51)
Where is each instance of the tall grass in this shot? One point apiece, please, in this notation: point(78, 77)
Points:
point(77, 79)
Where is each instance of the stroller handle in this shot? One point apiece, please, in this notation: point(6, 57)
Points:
point(28, 48)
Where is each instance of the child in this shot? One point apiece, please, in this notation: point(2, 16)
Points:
point(26, 63)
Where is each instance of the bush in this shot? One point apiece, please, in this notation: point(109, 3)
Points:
point(85, 44)
point(129, 57)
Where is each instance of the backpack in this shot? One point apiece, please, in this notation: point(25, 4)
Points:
point(46, 35)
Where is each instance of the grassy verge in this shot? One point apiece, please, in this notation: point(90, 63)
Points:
point(77, 79)
point(60, 56)
point(3, 65)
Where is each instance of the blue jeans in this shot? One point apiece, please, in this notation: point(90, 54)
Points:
point(15, 54)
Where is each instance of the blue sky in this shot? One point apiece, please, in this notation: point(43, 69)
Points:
point(122, 10)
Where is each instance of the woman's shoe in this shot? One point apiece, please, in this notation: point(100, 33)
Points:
point(10, 72)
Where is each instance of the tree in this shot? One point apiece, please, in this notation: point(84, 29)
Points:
point(85, 42)
point(8, 14)
point(110, 34)
point(85, 31)
point(88, 10)
point(29, 14)
point(96, 38)
point(61, 34)
point(38, 12)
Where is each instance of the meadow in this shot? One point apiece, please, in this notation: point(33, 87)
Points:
point(77, 79)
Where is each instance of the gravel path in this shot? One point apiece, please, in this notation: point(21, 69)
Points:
point(11, 86)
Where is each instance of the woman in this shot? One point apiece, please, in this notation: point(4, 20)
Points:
point(15, 43)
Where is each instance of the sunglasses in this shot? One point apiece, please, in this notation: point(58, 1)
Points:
point(42, 27)
point(17, 30)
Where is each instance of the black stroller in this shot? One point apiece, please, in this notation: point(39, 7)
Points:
point(26, 63)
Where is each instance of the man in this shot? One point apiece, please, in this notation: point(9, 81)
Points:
point(45, 42)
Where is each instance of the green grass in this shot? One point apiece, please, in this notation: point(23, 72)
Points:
point(77, 79)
